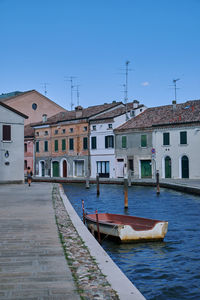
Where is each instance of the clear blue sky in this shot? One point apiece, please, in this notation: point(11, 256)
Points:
point(47, 40)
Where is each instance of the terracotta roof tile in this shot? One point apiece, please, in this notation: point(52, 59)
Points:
point(165, 115)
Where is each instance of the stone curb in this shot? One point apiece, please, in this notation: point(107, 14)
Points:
point(117, 279)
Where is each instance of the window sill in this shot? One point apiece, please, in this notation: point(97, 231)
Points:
point(183, 145)
point(6, 141)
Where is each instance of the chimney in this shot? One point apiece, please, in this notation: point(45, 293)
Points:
point(135, 103)
point(44, 118)
point(79, 111)
point(174, 104)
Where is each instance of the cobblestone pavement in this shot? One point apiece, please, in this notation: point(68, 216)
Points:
point(91, 283)
point(32, 261)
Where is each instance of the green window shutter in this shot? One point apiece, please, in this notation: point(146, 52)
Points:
point(85, 143)
point(56, 145)
point(123, 141)
point(46, 146)
point(166, 139)
point(37, 146)
point(71, 144)
point(143, 140)
point(183, 137)
point(63, 145)
point(94, 142)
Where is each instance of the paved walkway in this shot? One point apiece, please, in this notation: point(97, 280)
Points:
point(32, 262)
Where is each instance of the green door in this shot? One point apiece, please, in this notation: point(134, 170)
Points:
point(185, 167)
point(146, 168)
point(168, 167)
point(55, 169)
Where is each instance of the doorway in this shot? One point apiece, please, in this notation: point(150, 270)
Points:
point(146, 171)
point(64, 168)
point(55, 169)
point(168, 167)
point(185, 166)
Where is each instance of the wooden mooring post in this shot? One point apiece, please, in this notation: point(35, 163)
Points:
point(97, 182)
point(98, 231)
point(125, 193)
point(157, 183)
point(83, 211)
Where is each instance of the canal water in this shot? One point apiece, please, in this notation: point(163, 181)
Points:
point(160, 270)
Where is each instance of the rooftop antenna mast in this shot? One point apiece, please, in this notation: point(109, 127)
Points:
point(77, 94)
point(45, 87)
point(71, 87)
point(175, 88)
point(126, 89)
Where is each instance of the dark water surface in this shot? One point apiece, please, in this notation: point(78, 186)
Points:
point(160, 270)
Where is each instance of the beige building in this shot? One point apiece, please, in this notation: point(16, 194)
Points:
point(31, 103)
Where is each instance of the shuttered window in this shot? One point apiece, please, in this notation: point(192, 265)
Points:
point(183, 137)
point(71, 144)
point(85, 143)
point(56, 145)
point(63, 145)
point(143, 140)
point(37, 146)
point(94, 142)
point(6, 133)
point(46, 146)
point(109, 141)
point(123, 141)
point(166, 139)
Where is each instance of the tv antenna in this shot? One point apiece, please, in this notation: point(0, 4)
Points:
point(126, 88)
point(71, 87)
point(45, 87)
point(175, 88)
point(77, 94)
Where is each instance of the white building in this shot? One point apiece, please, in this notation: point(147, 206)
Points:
point(11, 144)
point(102, 139)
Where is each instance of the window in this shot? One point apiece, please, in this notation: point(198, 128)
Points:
point(34, 106)
point(25, 164)
point(94, 127)
point(183, 137)
point(63, 145)
point(46, 146)
point(56, 131)
point(71, 144)
point(37, 146)
point(6, 133)
point(94, 142)
point(63, 130)
point(103, 168)
point(46, 133)
point(85, 143)
point(25, 147)
point(143, 140)
point(37, 133)
point(166, 139)
point(85, 128)
point(123, 141)
point(109, 141)
point(110, 126)
point(71, 129)
point(56, 145)
point(130, 164)
point(132, 113)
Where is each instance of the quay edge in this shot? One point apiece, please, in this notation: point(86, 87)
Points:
point(117, 279)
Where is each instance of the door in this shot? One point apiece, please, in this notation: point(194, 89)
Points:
point(64, 168)
point(120, 168)
point(168, 167)
point(79, 168)
point(42, 168)
point(185, 166)
point(55, 169)
point(146, 169)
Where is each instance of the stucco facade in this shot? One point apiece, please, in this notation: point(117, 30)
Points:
point(11, 145)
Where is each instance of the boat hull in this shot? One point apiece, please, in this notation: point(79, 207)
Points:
point(125, 233)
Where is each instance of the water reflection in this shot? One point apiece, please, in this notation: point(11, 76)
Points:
point(160, 270)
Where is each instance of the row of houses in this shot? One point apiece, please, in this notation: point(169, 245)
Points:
point(115, 140)
point(111, 139)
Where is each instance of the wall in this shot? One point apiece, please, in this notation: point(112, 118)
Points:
point(15, 170)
